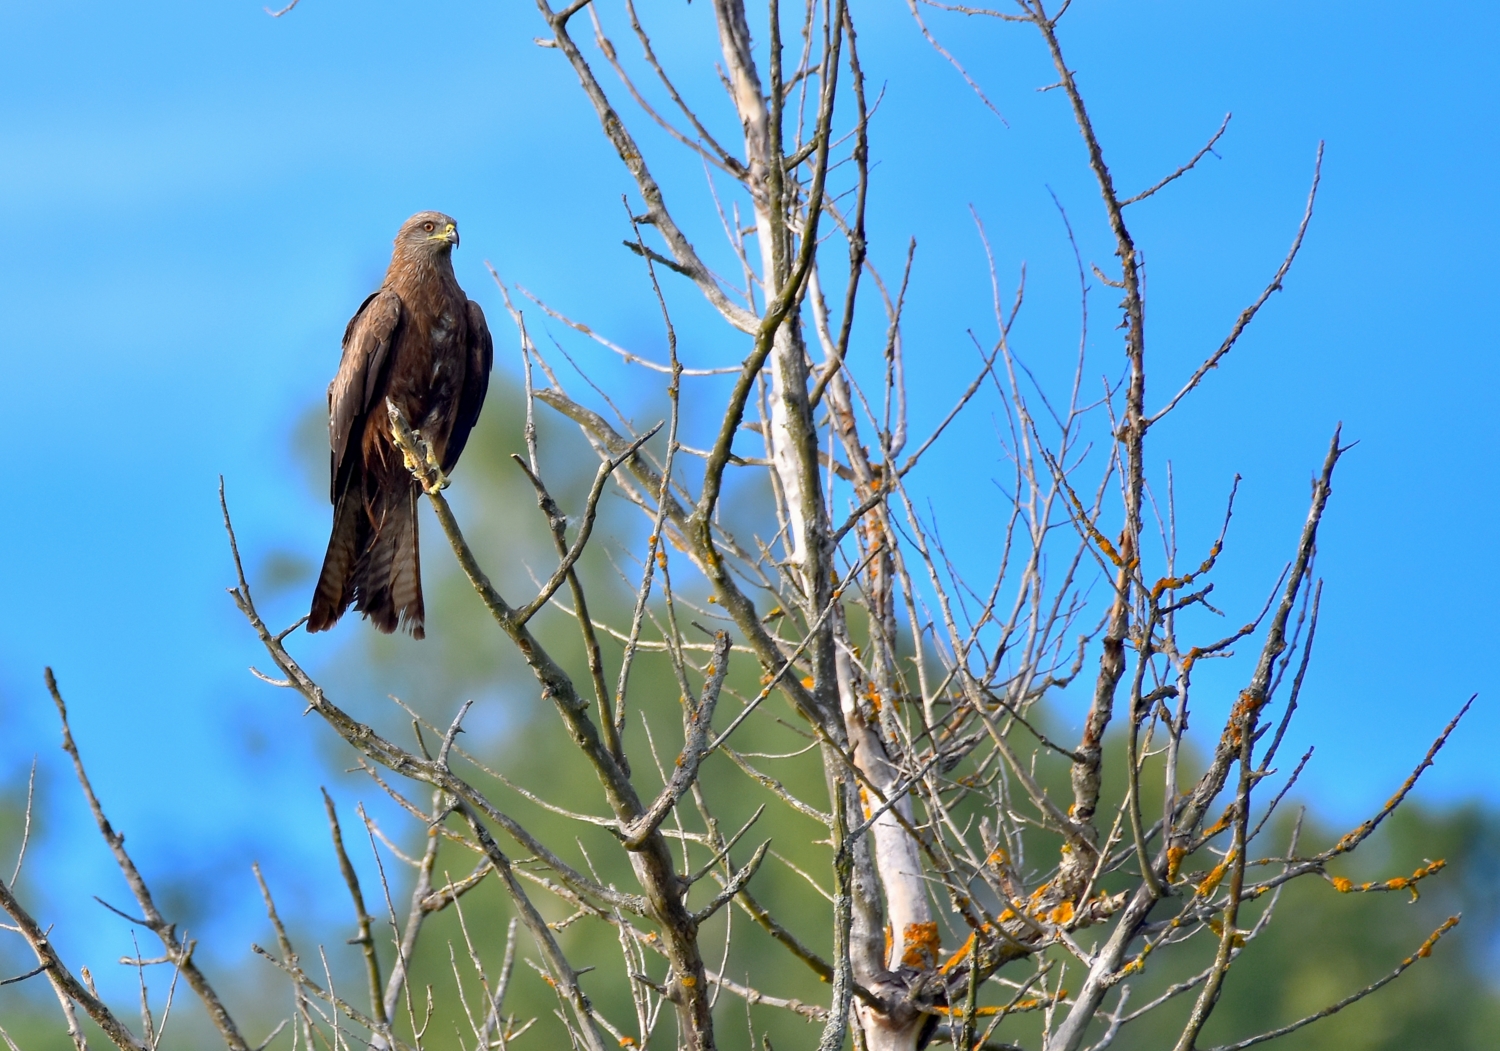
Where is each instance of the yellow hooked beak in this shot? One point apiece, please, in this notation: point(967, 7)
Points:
point(448, 233)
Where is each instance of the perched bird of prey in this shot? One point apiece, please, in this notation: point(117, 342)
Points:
point(423, 344)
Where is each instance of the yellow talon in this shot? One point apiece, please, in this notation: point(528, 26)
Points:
point(433, 470)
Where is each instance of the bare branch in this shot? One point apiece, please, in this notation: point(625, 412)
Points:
point(181, 950)
point(1248, 314)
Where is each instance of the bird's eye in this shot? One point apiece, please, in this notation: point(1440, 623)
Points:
point(428, 227)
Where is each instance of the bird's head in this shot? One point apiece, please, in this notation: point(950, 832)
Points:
point(432, 233)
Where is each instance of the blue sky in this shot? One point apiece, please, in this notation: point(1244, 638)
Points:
point(194, 198)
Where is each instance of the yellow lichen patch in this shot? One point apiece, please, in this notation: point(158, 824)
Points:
point(1219, 825)
point(921, 944)
point(1139, 963)
point(1173, 583)
point(688, 981)
point(807, 682)
point(998, 856)
point(1174, 862)
point(1249, 703)
point(626, 1041)
point(1216, 924)
point(1062, 914)
point(714, 599)
point(979, 1012)
point(1426, 949)
point(1087, 523)
point(1215, 876)
point(661, 557)
point(954, 960)
point(1345, 886)
point(1167, 584)
point(1031, 1003)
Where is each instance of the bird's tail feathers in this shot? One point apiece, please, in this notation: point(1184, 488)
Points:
point(387, 579)
point(335, 588)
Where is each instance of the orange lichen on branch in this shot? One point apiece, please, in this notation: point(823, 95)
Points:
point(1173, 583)
point(1174, 862)
point(1099, 539)
point(1346, 886)
point(626, 1041)
point(1062, 914)
point(1138, 964)
point(1190, 658)
point(1220, 825)
point(1215, 875)
point(920, 944)
point(1236, 938)
point(952, 961)
point(1353, 839)
point(1168, 584)
point(1244, 710)
point(1036, 1003)
point(1031, 1003)
point(1432, 939)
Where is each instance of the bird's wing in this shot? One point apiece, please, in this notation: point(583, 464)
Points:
point(481, 350)
point(361, 375)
